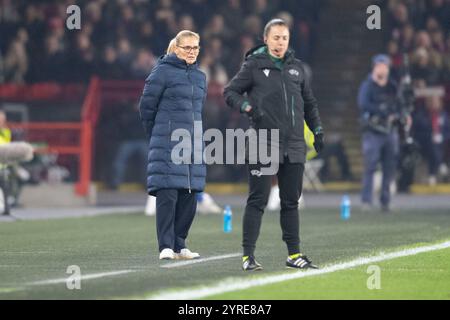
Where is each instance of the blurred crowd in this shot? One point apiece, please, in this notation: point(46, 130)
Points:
point(420, 30)
point(122, 39)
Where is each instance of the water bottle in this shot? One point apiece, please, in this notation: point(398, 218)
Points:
point(345, 208)
point(227, 220)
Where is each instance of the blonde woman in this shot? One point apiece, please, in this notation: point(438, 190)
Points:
point(173, 98)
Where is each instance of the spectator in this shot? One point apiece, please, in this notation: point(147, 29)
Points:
point(252, 27)
point(263, 9)
point(53, 63)
point(108, 67)
point(439, 9)
point(35, 26)
point(143, 64)
point(400, 17)
point(431, 129)
point(124, 55)
point(233, 15)
point(165, 16)
point(127, 26)
point(16, 59)
point(133, 143)
point(423, 40)
point(148, 39)
point(438, 41)
point(216, 29)
point(423, 69)
point(130, 25)
point(446, 62)
point(214, 71)
point(245, 45)
point(406, 38)
point(186, 22)
point(82, 61)
point(200, 11)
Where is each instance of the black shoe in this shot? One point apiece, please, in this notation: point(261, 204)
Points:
point(300, 262)
point(250, 264)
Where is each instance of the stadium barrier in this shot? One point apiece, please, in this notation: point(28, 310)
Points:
point(74, 139)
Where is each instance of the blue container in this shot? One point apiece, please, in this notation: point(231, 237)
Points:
point(345, 208)
point(227, 220)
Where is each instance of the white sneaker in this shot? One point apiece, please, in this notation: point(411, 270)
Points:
point(208, 205)
point(167, 254)
point(150, 207)
point(186, 254)
point(274, 203)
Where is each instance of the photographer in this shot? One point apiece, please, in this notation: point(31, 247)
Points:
point(377, 103)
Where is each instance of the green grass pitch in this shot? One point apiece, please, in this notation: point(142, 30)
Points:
point(422, 276)
point(36, 251)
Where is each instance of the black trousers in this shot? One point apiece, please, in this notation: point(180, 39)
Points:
point(290, 182)
point(175, 211)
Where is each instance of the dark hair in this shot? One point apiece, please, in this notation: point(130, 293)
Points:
point(272, 23)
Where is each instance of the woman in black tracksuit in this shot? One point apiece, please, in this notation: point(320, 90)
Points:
point(278, 96)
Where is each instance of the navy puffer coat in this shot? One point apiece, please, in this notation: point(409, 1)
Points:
point(173, 98)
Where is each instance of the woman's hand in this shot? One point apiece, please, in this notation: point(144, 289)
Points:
point(319, 142)
point(248, 108)
point(255, 113)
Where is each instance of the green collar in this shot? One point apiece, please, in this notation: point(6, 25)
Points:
point(277, 61)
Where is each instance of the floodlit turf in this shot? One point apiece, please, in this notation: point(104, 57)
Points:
point(422, 276)
point(32, 251)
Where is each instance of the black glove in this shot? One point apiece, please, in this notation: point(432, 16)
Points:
point(319, 142)
point(255, 114)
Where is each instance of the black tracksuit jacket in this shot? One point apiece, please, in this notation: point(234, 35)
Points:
point(283, 97)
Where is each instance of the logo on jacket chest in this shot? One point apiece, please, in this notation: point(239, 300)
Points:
point(266, 72)
point(294, 72)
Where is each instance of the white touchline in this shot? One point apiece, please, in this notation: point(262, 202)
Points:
point(121, 272)
point(86, 277)
point(234, 284)
point(10, 290)
point(188, 262)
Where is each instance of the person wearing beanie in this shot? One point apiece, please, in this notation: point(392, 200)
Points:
point(380, 142)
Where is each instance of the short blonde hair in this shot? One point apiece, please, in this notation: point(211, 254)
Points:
point(172, 45)
point(176, 41)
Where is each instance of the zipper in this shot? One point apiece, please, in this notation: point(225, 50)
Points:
point(285, 94)
point(170, 130)
point(193, 122)
point(192, 142)
point(293, 111)
point(285, 153)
